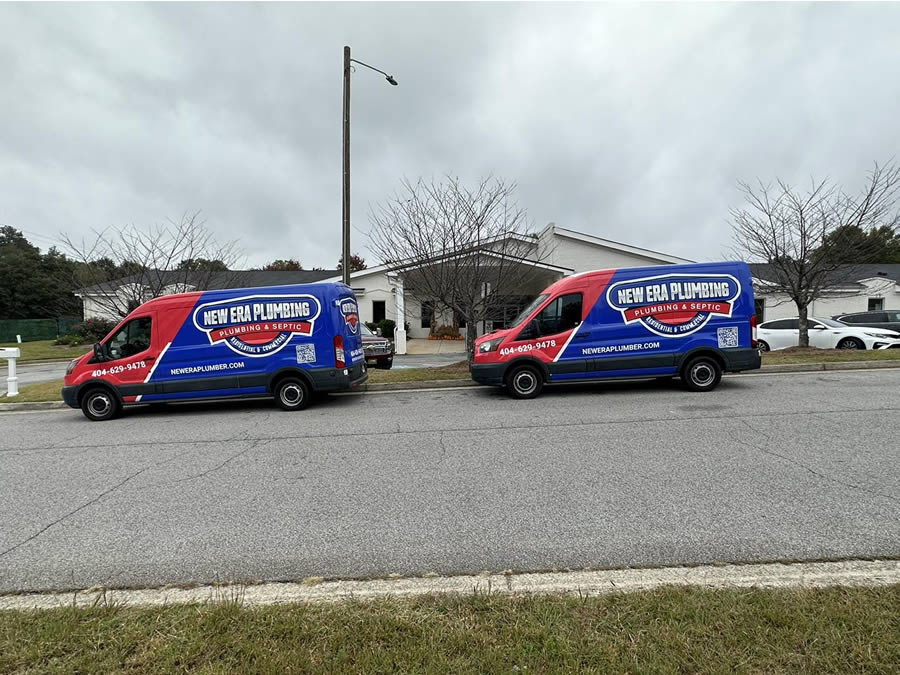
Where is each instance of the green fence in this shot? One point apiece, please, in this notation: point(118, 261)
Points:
point(35, 329)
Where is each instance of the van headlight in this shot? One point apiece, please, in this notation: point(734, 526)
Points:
point(71, 366)
point(489, 346)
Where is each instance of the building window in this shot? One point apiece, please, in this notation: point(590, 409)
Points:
point(876, 304)
point(460, 319)
point(427, 314)
point(377, 311)
point(759, 308)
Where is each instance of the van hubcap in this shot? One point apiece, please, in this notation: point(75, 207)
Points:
point(525, 382)
point(291, 394)
point(702, 375)
point(99, 405)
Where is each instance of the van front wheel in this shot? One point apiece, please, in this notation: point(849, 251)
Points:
point(702, 373)
point(524, 382)
point(99, 405)
point(292, 394)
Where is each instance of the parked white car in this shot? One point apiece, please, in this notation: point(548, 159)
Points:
point(824, 334)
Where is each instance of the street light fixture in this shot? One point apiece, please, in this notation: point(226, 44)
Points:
point(345, 207)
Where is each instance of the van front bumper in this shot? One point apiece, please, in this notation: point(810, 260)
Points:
point(334, 379)
point(488, 373)
point(70, 396)
point(742, 359)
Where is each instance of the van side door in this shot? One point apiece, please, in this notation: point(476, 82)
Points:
point(131, 351)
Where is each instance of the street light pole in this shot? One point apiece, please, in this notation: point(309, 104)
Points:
point(345, 204)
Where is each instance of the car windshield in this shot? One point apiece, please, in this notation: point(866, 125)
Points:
point(533, 305)
point(364, 329)
point(831, 323)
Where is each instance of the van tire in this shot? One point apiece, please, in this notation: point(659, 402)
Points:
point(701, 373)
point(99, 404)
point(292, 393)
point(524, 382)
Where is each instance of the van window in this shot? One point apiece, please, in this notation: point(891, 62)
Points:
point(130, 339)
point(562, 314)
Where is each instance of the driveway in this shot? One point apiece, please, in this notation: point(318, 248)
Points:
point(799, 466)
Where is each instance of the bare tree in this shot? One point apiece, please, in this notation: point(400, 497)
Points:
point(462, 249)
point(805, 236)
point(126, 266)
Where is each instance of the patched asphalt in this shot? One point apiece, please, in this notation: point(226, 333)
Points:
point(769, 467)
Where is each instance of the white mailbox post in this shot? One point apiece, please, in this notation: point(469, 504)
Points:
point(12, 381)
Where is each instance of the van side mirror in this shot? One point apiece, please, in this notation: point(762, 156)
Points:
point(98, 352)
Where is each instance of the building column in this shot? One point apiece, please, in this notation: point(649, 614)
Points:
point(400, 327)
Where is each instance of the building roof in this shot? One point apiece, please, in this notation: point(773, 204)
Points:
point(615, 245)
point(850, 275)
point(233, 279)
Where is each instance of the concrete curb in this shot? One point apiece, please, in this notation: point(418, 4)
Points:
point(445, 384)
point(851, 573)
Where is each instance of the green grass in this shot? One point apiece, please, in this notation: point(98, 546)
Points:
point(41, 350)
point(456, 371)
point(671, 630)
point(811, 355)
point(34, 393)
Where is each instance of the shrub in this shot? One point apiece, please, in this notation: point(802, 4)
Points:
point(387, 328)
point(93, 330)
point(372, 326)
point(69, 339)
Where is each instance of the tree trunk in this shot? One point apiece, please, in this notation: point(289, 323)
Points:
point(804, 325)
point(471, 332)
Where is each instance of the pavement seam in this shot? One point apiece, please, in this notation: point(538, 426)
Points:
point(596, 582)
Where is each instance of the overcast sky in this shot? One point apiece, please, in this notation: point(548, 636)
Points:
point(631, 122)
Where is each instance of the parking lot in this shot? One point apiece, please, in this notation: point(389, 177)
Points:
point(790, 466)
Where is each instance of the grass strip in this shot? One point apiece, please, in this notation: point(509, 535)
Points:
point(834, 630)
point(41, 350)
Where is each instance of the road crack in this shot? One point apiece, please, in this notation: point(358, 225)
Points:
point(801, 465)
point(74, 511)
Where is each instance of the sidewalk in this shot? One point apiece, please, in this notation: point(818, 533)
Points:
point(420, 346)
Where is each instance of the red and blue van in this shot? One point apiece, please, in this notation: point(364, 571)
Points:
point(689, 321)
point(281, 341)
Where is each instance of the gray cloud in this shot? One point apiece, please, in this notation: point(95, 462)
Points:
point(631, 122)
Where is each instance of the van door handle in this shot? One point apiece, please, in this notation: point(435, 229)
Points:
point(149, 358)
point(583, 335)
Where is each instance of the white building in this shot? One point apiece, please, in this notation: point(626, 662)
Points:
point(873, 288)
point(557, 252)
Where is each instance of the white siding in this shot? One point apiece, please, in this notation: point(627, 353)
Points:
point(584, 256)
point(779, 306)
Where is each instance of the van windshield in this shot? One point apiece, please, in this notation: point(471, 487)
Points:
point(533, 305)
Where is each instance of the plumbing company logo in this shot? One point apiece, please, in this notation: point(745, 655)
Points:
point(350, 312)
point(257, 325)
point(673, 305)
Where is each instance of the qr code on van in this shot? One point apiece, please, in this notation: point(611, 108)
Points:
point(728, 336)
point(306, 353)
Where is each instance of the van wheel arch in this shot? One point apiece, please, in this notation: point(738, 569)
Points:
point(290, 372)
point(529, 361)
point(97, 384)
point(702, 351)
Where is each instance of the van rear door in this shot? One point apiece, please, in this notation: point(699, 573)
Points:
point(347, 323)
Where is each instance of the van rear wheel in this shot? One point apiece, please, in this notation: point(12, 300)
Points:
point(99, 405)
point(524, 382)
point(701, 373)
point(292, 393)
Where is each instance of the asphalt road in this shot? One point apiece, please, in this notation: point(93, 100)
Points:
point(799, 466)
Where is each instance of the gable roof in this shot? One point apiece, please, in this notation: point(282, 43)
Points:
point(614, 245)
point(857, 273)
point(233, 279)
